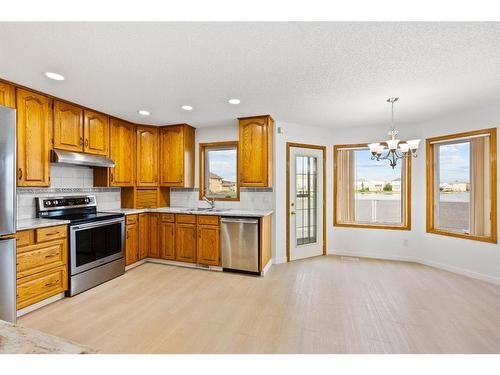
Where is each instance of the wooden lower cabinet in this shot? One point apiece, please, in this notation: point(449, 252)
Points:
point(153, 248)
point(42, 264)
point(166, 240)
point(185, 243)
point(131, 243)
point(143, 236)
point(208, 249)
point(179, 237)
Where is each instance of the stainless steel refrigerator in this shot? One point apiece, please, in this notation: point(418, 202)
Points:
point(7, 214)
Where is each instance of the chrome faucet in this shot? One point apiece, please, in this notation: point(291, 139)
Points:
point(210, 202)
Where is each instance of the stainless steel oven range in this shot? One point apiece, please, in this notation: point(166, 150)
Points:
point(96, 239)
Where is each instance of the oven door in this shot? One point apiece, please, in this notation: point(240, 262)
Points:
point(96, 243)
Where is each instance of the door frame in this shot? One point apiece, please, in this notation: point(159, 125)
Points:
point(314, 147)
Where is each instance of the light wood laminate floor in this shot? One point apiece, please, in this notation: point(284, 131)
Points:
point(319, 305)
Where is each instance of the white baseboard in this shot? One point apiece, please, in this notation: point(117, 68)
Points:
point(280, 260)
point(136, 264)
point(182, 264)
point(40, 304)
point(445, 267)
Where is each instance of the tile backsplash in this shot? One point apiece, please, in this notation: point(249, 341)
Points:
point(67, 180)
point(250, 199)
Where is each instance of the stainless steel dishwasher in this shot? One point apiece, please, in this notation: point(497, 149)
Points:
point(240, 244)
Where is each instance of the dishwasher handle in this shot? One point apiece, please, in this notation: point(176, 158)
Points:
point(239, 220)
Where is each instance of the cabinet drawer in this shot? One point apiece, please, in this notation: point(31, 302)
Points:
point(208, 220)
point(25, 238)
point(167, 218)
point(35, 288)
point(37, 258)
point(51, 233)
point(130, 219)
point(185, 219)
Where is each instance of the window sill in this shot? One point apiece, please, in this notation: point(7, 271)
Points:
point(373, 226)
point(491, 239)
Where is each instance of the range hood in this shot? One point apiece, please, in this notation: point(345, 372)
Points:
point(77, 158)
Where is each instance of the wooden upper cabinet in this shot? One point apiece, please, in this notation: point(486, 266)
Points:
point(185, 242)
point(208, 245)
point(33, 122)
point(177, 155)
point(256, 151)
point(147, 155)
point(7, 95)
point(68, 127)
point(122, 152)
point(95, 133)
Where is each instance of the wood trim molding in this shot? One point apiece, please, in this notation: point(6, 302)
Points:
point(407, 210)
point(202, 148)
point(315, 147)
point(430, 196)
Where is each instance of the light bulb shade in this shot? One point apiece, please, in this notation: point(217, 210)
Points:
point(404, 147)
point(392, 143)
point(413, 143)
point(380, 148)
point(373, 147)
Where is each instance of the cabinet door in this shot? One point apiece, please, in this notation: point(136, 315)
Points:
point(185, 242)
point(154, 249)
point(131, 244)
point(208, 245)
point(143, 236)
point(122, 151)
point(147, 156)
point(33, 159)
point(166, 239)
point(254, 156)
point(7, 95)
point(96, 133)
point(172, 156)
point(68, 127)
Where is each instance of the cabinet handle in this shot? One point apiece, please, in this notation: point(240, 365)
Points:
point(86, 143)
point(20, 173)
point(51, 255)
point(111, 176)
point(81, 141)
point(52, 283)
point(51, 233)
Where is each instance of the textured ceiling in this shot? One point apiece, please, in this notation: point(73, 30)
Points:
point(318, 74)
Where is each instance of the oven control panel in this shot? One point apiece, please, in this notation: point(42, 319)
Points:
point(58, 203)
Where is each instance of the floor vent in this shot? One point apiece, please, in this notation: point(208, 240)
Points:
point(351, 259)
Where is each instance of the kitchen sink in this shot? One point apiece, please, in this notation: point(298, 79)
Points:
point(202, 209)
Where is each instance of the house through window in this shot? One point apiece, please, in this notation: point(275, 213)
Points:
point(369, 193)
point(219, 172)
point(461, 182)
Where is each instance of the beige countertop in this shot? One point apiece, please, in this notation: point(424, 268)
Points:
point(38, 223)
point(26, 224)
point(190, 211)
point(15, 339)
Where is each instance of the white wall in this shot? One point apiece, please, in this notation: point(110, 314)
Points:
point(474, 258)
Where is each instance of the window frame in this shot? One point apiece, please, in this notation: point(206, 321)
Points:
point(202, 151)
point(430, 184)
point(406, 225)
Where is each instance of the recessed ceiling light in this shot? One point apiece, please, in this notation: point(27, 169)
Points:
point(186, 107)
point(143, 112)
point(234, 101)
point(55, 76)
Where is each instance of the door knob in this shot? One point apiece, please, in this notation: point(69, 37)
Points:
point(292, 213)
